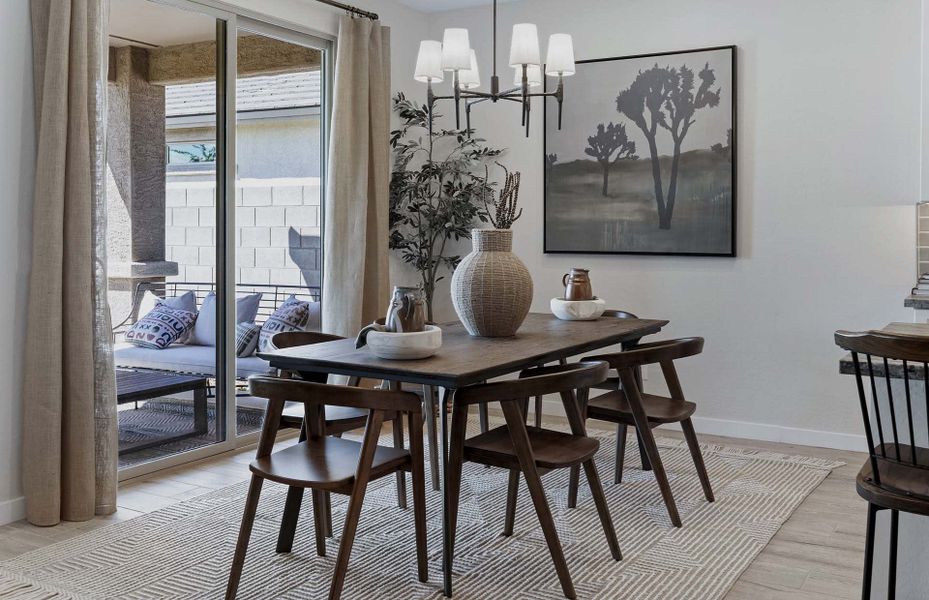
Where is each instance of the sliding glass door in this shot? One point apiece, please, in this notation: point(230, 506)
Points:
point(216, 130)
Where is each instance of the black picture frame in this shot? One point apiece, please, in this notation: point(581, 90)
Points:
point(733, 92)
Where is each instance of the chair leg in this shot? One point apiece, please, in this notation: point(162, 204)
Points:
point(326, 510)
point(622, 430)
point(643, 455)
point(892, 561)
point(401, 475)
point(319, 521)
point(538, 411)
point(285, 537)
point(418, 471)
point(515, 420)
point(574, 480)
point(691, 436)
point(869, 553)
point(483, 417)
point(429, 414)
point(596, 488)
point(647, 442)
point(512, 490)
point(245, 532)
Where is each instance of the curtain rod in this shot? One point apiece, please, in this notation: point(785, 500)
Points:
point(351, 9)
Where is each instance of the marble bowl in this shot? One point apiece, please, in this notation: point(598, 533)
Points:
point(578, 310)
point(405, 346)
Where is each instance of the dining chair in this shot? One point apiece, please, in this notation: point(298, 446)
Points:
point(529, 450)
point(338, 420)
point(896, 474)
point(325, 463)
point(631, 406)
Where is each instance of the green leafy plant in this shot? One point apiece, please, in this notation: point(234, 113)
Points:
point(435, 194)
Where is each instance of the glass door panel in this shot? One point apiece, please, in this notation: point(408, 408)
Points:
point(278, 190)
point(163, 174)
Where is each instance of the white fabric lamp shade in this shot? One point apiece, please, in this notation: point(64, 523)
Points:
point(470, 79)
point(524, 49)
point(533, 74)
point(560, 57)
point(456, 50)
point(429, 62)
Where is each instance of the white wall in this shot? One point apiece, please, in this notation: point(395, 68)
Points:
point(17, 149)
point(829, 171)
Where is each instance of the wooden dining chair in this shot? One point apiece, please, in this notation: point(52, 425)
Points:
point(631, 406)
point(896, 474)
point(338, 420)
point(531, 450)
point(324, 463)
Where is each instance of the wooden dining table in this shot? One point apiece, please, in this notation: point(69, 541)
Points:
point(465, 360)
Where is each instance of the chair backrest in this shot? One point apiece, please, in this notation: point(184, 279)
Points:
point(545, 380)
point(622, 314)
point(898, 462)
point(290, 339)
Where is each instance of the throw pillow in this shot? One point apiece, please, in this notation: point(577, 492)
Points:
point(246, 339)
point(291, 315)
point(186, 301)
point(204, 331)
point(161, 327)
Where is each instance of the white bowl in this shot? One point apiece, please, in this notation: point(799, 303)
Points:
point(405, 346)
point(578, 310)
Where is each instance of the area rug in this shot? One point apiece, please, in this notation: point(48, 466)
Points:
point(184, 551)
point(164, 419)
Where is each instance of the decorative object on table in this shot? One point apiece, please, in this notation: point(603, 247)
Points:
point(454, 54)
point(646, 162)
point(435, 193)
point(492, 288)
point(577, 310)
point(400, 346)
point(577, 284)
point(407, 312)
point(922, 286)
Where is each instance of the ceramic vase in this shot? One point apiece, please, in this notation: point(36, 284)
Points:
point(491, 288)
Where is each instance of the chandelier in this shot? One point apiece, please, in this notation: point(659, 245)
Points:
point(454, 55)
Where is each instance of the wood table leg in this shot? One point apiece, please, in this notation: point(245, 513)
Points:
point(429, 415)
point(448, 396)
point(398, 443)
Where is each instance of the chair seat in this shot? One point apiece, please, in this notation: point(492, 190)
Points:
point(552, 449)
point(327, 463)
point(614, 406)
point(903, 486)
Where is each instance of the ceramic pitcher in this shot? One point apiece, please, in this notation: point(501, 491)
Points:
point(407, 311)
point(577, 284)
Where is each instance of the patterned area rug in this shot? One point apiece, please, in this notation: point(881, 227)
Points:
point(184, 551)
point(157, 420)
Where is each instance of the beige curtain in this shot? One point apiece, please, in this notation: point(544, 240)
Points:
point(355, 281)
point(69, 429)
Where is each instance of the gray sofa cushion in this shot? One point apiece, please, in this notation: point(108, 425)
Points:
point(184, 358)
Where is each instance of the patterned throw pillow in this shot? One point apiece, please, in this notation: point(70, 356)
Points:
point(161, 327)
point(291, 315)
point(246, 339)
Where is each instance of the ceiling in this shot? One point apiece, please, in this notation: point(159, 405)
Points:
point(156, 24)
point(441, 5)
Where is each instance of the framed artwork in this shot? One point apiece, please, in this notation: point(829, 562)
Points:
point(645, 160)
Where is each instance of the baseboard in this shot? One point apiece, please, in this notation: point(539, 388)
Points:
point(12, 510)
point(760, 431)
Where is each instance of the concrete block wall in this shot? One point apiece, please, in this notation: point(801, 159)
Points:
point(277, 229)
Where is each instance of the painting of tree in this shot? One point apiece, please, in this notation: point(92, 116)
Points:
point(610, 145)
point(646, 156)
point(664, 97)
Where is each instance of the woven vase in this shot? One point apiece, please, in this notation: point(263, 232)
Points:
point(491, 288)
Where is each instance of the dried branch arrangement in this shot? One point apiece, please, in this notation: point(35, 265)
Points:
point(502, 210)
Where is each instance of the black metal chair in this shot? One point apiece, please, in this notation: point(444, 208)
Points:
point(896, 476)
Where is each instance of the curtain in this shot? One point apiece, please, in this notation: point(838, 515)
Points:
point(70, 428)
point(355, 269)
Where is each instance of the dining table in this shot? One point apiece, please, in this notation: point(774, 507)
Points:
point(465, 360)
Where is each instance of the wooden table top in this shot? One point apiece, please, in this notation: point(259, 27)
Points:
point(463, 359)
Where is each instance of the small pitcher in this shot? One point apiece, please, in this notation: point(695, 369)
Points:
point(406, 314)
point(577, 284)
